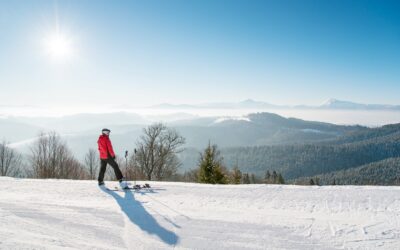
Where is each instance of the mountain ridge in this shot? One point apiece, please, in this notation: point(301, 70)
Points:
point(331, 103)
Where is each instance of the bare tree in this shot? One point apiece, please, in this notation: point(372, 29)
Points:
point(134, 172)
point(51, 158)
point(10, 160)
point(156, 151)
point(92, 163)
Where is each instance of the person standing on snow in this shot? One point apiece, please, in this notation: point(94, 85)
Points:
point(107, 155)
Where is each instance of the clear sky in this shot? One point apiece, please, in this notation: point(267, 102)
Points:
point(63, 53)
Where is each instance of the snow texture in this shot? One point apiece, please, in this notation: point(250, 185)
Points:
point(66, 214)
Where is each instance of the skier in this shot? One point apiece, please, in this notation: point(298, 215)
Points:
point(107, 155)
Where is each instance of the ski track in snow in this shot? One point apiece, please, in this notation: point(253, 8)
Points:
point(66, 214)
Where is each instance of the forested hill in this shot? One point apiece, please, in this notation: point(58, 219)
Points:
point(363, 134)
point(259, 129)
point(385, 172)
point(299, 160)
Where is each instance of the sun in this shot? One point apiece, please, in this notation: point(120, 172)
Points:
point(58, 46)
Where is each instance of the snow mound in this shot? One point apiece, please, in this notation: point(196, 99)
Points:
point(59, 214)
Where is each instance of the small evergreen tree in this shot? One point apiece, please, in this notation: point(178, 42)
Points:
point(210, 166)
point(280, 179)
point(312, 181)
point(274, 177)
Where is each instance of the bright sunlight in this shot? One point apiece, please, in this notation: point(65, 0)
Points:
point(58, 46)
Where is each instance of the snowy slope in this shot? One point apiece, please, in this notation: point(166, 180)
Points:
point(61, 214)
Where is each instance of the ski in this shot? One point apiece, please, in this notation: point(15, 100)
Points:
point(137, 187)
point(123, 189)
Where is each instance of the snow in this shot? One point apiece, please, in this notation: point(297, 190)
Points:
point(240, 118)
point(66, 214)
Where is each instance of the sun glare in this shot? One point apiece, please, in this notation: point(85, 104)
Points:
point(58, 46)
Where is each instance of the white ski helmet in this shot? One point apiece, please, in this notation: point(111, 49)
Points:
point(105, 131)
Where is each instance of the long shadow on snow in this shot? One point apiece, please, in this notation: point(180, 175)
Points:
point(138, 215)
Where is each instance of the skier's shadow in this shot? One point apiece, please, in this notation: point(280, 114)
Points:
point(138, 215)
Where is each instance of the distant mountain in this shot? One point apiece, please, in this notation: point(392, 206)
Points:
point(256, 129)
point(338, 104)
point(333, 104)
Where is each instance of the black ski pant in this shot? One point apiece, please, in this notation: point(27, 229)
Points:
point(114, 165)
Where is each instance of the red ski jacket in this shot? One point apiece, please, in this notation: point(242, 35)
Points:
point(105, 147)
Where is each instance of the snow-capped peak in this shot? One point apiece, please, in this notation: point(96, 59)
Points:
point(330, 101)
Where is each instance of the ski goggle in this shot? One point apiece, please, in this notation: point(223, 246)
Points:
point(106, 132)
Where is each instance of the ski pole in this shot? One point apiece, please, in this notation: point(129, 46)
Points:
point(134, 167)
point(126, 164)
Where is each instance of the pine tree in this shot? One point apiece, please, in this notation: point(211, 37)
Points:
point(274, 177)
point(280, 179)
point(210, 166)
point(219, 176)
point(312, 182)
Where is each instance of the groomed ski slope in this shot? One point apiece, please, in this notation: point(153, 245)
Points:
point(65, 214)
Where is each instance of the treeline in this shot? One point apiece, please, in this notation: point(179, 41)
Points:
point(385, 172)
point(212, 169)
point(155, 158)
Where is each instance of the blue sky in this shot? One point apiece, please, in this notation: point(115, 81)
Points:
point(148, 52)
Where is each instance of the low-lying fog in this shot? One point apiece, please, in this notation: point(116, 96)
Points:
point(348, 117)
